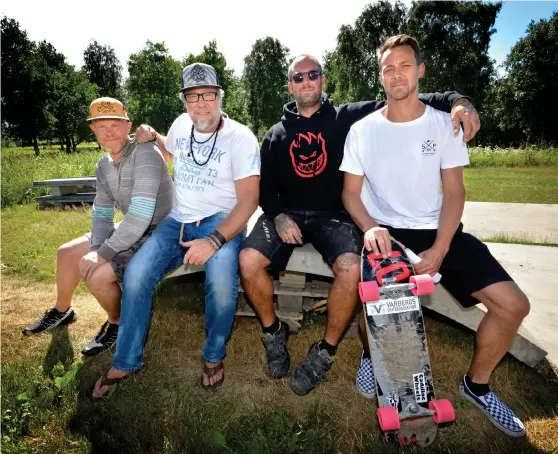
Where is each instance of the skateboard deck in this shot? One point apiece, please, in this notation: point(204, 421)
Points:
point(390, 290)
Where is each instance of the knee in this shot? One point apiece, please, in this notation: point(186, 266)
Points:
point(250, 262)
point(347, 268)
point(97, 281)
point(520, 306)
point(65, 252)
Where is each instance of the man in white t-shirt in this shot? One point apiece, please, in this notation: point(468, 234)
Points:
point(395, 160)
point(216, 180)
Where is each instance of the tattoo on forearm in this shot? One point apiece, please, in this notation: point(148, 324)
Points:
point(283, 223)
point(467, 104)
point(346, 261)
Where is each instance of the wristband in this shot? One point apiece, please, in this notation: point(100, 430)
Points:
point(218, 236)
point(212, 243)
point(215, 240)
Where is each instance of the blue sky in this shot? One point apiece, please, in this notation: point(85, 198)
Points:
point(235, 24)
point(512, 22)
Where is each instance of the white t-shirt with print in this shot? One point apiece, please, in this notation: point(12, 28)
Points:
point(203, 190)
point(401, 165)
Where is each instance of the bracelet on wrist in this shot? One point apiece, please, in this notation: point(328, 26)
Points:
point(212, 244)
point(215, 240)
point(219, 236)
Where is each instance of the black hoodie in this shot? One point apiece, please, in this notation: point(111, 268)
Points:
point(301, 156)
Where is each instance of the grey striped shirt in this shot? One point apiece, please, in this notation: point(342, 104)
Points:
point(139, 185)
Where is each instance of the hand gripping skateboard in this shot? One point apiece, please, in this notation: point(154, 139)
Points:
point(390, 292)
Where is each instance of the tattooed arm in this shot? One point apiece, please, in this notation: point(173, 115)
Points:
point(287, 229)
point(464, 112)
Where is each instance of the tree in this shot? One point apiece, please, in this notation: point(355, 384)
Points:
point(526, 97)
point(265, 79)
point(352, 68)
point(21, 117)
point(71, 95)
point(103, 69)
point(154, 86)
point(454, 38)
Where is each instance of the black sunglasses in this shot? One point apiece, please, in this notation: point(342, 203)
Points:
point(313, 74)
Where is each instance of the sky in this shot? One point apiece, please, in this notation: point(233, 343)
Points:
point(185, 27)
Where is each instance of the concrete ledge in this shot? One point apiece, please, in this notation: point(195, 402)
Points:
point(532, 267)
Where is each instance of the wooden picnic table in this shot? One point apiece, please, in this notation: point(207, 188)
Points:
point(67, 191)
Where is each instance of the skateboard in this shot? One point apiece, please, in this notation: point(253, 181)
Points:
point(390, 292)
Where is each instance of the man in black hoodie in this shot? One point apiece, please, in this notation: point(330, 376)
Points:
point(300, 194)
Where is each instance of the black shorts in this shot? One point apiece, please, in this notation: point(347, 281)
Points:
point(331, 233)
point(468, 266)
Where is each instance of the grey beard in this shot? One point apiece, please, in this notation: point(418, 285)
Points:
point(207, 125)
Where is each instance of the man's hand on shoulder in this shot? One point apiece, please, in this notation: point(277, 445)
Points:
point(89, 263)
point(464, 112)
point(145, 134)
point(287, 229)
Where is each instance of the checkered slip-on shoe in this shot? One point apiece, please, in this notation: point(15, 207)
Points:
point(496, 410)
point(365, 382)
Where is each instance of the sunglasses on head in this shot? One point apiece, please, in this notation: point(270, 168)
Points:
point(313, 74)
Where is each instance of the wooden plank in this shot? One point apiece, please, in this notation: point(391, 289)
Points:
point(292, 279)
point(289, 303)
point(70, 198)
point(314, 289)
point(76, 181)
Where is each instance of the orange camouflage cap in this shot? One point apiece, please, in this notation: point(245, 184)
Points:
point(107, 108)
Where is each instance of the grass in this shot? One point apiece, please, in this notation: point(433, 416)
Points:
point(514, 239)
point(45, 385)
point(20, 168)
point(45, 381)
point(512, 185)
point(528, 175)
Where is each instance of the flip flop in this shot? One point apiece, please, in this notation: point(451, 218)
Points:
point(210, 372)
point(112, 382)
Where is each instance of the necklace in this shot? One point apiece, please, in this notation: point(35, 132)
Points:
point(193, 139)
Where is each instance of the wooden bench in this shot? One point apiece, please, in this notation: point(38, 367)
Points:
point(67, 191)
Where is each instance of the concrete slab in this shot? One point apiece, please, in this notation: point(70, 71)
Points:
point(537, 223)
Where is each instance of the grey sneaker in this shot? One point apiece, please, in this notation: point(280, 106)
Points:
point(278, 359)
point(311, 371)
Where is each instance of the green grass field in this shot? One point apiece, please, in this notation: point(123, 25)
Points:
point(45, 381)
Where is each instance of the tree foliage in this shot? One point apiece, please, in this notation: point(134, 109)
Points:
point(525, 99)
point(265, 79)
point(103, 69)
point(153, 87)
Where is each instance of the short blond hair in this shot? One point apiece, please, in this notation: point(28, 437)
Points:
point(398, 41)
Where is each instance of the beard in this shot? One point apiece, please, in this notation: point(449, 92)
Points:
point(206, 125)
point(401, 93)
point(309, 99)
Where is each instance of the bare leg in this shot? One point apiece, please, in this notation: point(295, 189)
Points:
point(257, 284)
point(104, 287)
point(343, 296)
point(67, 270)
point(507, 307)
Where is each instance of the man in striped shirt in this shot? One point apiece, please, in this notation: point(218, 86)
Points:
point(134, 178)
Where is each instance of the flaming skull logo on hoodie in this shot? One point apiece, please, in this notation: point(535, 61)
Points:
point(308, 154)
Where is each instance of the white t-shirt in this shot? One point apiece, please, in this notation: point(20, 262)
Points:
point(401, 164)
point(203, 190)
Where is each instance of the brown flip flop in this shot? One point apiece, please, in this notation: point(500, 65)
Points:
point(105, 381)
point(210, 372)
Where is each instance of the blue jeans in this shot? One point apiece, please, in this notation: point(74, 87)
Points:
point(159, 255)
